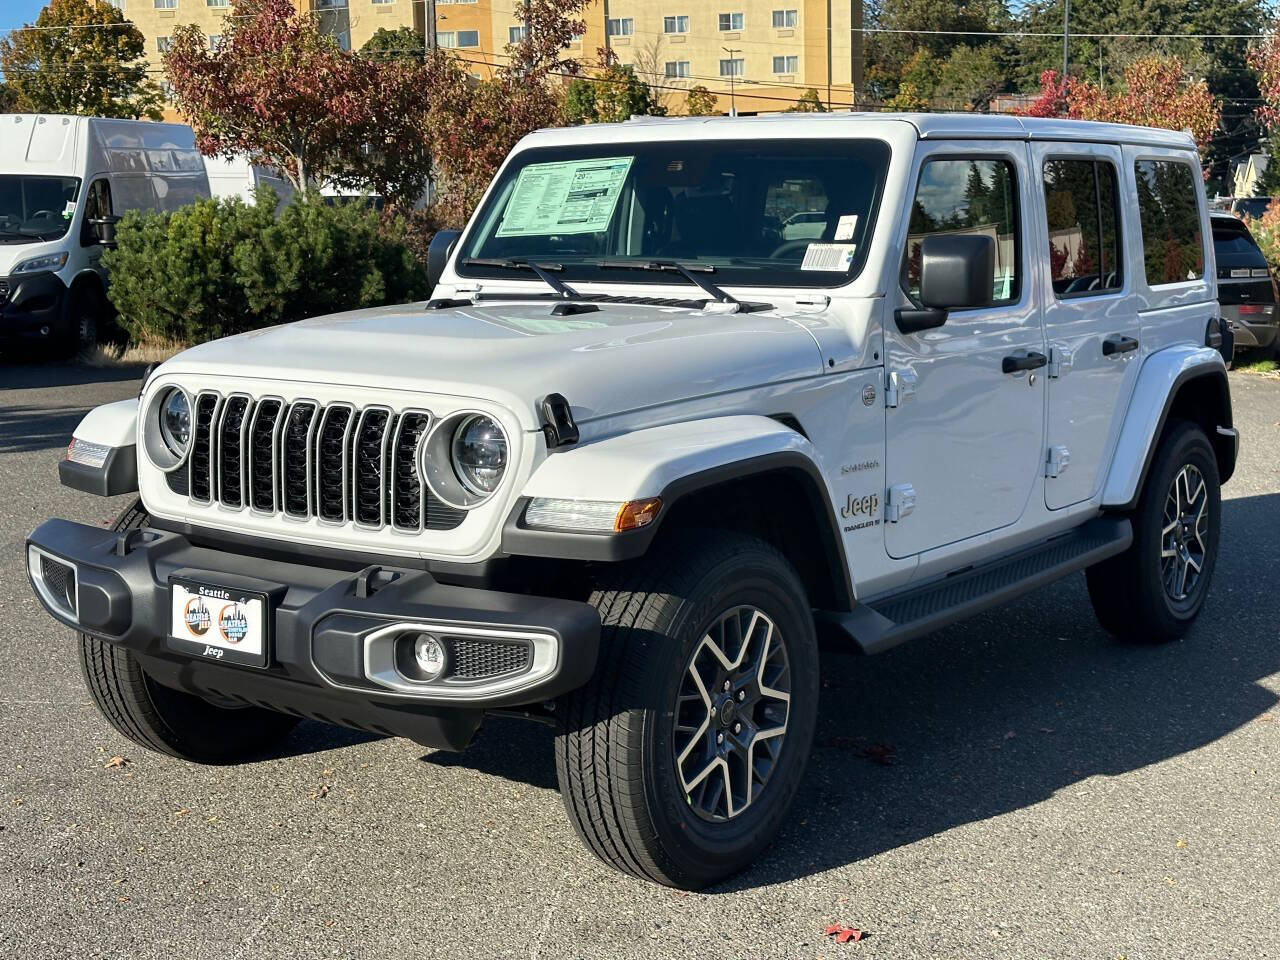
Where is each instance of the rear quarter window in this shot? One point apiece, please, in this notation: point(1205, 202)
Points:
point(1172, 245)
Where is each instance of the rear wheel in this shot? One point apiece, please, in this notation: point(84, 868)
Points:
point(678, 761)
point(1154, 591)
point(86, 317)
point(166, 720)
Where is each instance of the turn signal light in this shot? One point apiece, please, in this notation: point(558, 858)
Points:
point(637, 514)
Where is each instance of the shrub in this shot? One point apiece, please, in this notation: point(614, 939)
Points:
point(1266, 231)
point(219, 267)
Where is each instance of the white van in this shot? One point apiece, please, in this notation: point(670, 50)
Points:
point(237, 177)
point(64, 183)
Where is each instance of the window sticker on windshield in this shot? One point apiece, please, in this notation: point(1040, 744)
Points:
point(69, 210)
point(828, 256)
point(846, 226)
point(576, 196)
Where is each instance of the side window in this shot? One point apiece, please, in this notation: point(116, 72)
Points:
point(97, 204)
point(1172, 246)
point(973, 196)
point(1084, 244)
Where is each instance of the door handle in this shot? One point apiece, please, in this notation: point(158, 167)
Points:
point(1118, 344)
point(1018, 362)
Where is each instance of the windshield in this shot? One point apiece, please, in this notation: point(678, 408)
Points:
point(35, 208)
point(765, 213)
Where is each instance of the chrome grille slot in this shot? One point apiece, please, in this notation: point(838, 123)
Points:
point(369, 457)
point(406, 489)
point(334, 463)
point(295, 459)
point(332, 449)
point(231, 450)
point(202, 447)
point(264, 445)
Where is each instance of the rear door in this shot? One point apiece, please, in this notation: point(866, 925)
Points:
point(1091, 313)
point(968, 441)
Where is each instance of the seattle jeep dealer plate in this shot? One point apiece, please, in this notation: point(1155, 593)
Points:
point(221, 623)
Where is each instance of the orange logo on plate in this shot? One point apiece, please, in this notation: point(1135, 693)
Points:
point(196, 616)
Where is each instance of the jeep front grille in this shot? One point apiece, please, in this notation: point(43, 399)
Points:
point(337, 463)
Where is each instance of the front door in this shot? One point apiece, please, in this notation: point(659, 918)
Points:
point(968, 441)
point(1090, 317)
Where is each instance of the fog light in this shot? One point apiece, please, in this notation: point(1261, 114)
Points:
point(429, 654)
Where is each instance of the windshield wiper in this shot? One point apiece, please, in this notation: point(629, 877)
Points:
point(542, 270)
point(688, 271)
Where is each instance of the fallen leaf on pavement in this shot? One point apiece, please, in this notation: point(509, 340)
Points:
point(881, 753)
point(117, 762)
point(322, 792)
point(843, 934)
point(1181, 844)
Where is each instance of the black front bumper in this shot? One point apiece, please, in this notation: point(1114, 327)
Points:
point(32, 308)
point(323, 625)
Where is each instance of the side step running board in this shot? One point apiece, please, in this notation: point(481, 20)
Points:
point(887, 620)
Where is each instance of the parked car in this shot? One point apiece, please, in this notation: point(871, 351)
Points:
point(637, 450)
point(64, 183)
point(1246, 289)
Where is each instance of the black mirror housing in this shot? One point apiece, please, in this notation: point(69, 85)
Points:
point(957, 271)
point(438, 254)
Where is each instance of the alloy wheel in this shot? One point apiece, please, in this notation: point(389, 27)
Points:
point(1186, 526)
point(731, 713)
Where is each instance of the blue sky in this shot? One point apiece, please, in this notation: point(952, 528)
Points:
point(14, 13)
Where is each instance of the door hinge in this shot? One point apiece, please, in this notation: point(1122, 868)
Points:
point(1059, 361)
point(900, 501)
point(1057, 461)
point(902, 387)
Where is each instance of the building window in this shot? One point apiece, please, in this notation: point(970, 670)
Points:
point(330, 4)
point(446, 38)
point(118, 4)
point(215, 41)
point(789, 64)
point(784, 19)
point(216, 3)
point(166, 4)
point(517, 34)
point(677, 68)
point(620, 26)
point(675, 24)
point(378, 3)
point(163, 44)
point(468, 38)
point(732, 68)
point(732, 21)
point(344, 40)
point(440, 2)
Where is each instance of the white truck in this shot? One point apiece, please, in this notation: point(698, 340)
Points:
point(64, 183)
point(640, 448)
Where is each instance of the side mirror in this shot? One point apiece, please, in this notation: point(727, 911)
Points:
point(438, 254)
point(103, 230)
point(957, 272)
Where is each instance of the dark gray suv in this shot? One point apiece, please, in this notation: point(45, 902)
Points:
point(1246, 289)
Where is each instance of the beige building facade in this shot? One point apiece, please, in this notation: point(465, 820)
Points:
point(755, 55)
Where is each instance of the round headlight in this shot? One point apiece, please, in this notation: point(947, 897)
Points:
point(479, 454)
point(175, 422)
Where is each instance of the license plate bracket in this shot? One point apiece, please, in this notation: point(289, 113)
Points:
point(218, 620)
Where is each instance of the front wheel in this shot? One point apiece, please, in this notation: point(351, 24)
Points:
point(1154, 591)
point(679, 759)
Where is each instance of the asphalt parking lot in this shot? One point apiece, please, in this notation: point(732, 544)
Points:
point(1047, 793)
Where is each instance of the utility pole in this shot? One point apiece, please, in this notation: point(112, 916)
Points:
point(429, 26)
point(1066, 34)
point(733, 74)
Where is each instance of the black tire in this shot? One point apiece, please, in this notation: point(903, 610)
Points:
point(1129, 592)
point(620, 779)
point(165, 720)
point(86, 318)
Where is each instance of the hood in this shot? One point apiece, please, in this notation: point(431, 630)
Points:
point(619, 358)
point(14, 252)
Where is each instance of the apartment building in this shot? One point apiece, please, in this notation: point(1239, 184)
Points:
point(754, 55)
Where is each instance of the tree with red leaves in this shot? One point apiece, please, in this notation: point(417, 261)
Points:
point(1265, 58)
point(1157, 92)
point(279, 90)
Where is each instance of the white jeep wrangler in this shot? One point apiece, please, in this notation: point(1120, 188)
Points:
point(643, 446)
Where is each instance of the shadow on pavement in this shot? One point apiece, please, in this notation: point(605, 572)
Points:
point(998, 713)
point(36, 376)
point(24, 429)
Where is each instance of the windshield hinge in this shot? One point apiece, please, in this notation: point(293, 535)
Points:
point(812, 303)
point(713, 306)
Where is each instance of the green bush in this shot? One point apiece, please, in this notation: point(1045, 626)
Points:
point(219, 267)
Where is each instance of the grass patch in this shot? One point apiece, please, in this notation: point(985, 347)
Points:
point(1258, 366)
point(116, 355)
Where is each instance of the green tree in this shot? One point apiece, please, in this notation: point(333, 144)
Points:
point(87, 59)
point(808, 102)
point(8, 99)
point(580, 102)
point(403, 43)
point(614, 95)
point(701, 102)
point(968, 78)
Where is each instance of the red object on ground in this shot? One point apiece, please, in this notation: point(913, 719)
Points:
point(843, 934)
